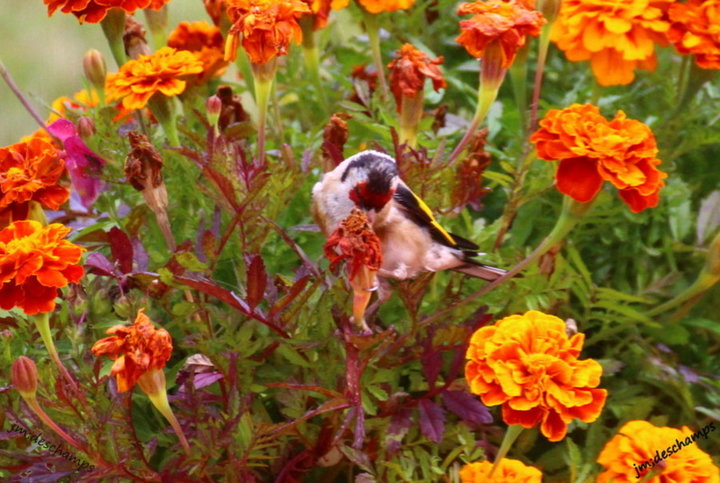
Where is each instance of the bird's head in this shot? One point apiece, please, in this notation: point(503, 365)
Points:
point(372, 178)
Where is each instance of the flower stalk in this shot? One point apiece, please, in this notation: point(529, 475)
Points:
point(263, 76)
point(511, 434)
point(113, 26)
point(163, 108)
point(311, 55)
point(372, 28)
point(153, 384)
point(42, 323)
point(157, 21)
point(550, 9)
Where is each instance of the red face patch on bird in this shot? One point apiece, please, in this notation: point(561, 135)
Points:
point(368, 199)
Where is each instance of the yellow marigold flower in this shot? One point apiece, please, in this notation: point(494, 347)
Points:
point(507, 22)
point(508, 471)
point(695, 29)
point(266, 27)
point(35, 261)
point(137, 349)
point(377, 6)
point(528, 364)
point(205, 41)
point(138, 80)
point(81, 100)
point(616, 37)
point(640, 447)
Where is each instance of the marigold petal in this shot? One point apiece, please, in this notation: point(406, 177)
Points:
point(579, 179)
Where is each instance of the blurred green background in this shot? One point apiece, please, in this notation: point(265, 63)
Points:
point(44, 56)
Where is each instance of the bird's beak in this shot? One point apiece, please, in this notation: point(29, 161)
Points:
point(371, 215)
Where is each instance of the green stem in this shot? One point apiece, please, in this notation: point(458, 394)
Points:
point(311, 56)
point(263, 76)
point(42, 323)
point(681, 84)
point(157, 21)
point(373, 30)
point(596, 93)
point(518, 74)
point(539, 69)
point(703, 283)
point(511, 434)
point(411, 111)
point(113, 26)
point(153, 384)
point(163, 108)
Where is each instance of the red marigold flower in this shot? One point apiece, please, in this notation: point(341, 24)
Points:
point(205, 41)
point(138, 80)
point(409, 70)
point(528, 364)
point(30, 171)
point(638, 443)
point(377, 6)
point(508, 471)
point(136, 349)
point(321, 10)
point(35, 262)
point(94, 11)
point(616, 37)
point(507, 22)
point(266, 26)
point(694, 30)
point(592, 150)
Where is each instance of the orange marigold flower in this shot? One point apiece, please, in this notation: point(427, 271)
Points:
point(205, 41)
point(377, 6)
point(94, 11)
point(644, 446)
point(321, 10)
point(81, 100)
point(35, 262)
point(528, 364)
point(30, 171)
point(507, 22)
point(695, 30)
point(592, 150)
point(508, 471)
point(136, 349)
point(266, 26)
point(616, 37)
point(409, 70)
point(138, 80)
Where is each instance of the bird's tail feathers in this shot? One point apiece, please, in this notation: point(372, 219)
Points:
point(486, 272)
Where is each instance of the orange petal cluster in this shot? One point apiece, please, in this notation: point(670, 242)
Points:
point(377, 6)
point(266, 27)
point(35, 261)
point(616, 37)
point(695, 29)
point(506, 22)
point(30, 171)
point(528, 364)
point(355, 241)
point(321, 10)
point(81, 100)
point(409, 70)
point(508, 471)
point(205, 41)
point(138, 80)
point(592, 149)
point(639, 446)
point(94, 11)
point(136, 350)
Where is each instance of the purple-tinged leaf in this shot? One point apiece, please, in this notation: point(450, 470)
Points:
point(467, 407)
point(140, 255)
point(432, 420)
point(121, 249)
point(256, 280)
point(400, 423)
point(305, 387)
point(206, 378)
point(295, 290)
point(431, 362)
point(360, 458)
point(100, 265)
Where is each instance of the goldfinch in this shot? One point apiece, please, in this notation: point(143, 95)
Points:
point(412, 240)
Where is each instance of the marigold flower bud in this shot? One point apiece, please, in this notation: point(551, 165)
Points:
point(25, 377)
point(86, 127)
point(95, 68)
point(213, 106)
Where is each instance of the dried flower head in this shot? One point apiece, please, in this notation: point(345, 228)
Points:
point(30, 171)
point(635, 451)
point(355, 242)
point(506, 22)
point(508, 471)
point(205, 41)
point(695, 29)
point(138, 80)
point(616, 37)
point(266, 27)
point(528, 364)
point(143, 167)
point(377, 6)
point(35, 261)
point(592, 150)
point(136, 349)
point(94, 11)
point(335, 135)
point(409, 70)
